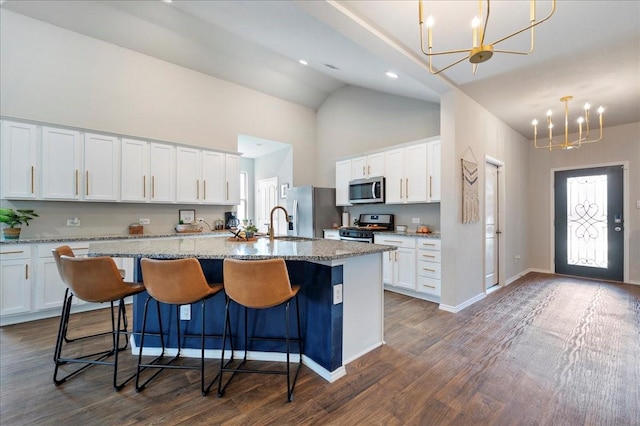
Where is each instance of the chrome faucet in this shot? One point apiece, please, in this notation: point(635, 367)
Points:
point(286, 215)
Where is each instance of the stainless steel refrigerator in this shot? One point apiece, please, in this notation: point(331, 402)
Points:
point(311, 210)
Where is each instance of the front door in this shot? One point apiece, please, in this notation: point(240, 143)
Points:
point(589, 237)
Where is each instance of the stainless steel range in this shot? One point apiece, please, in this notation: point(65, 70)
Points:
point(367, 225)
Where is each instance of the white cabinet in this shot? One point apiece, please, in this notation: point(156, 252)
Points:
point(19, 160)
point(367, 166)
point(429, 266)
point(101, 167)
point(331, 234)
point(232, 172)
point(399, 266)
point(434, 170)
point(15, 279)
point(406, 178)
point(134, 163)
point(343, 176)
point(201, 177)
point(188, 174)
point(162, 163)
point(214, 177)
point(61, 164)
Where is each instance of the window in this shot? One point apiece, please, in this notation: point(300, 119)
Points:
point(244, 191)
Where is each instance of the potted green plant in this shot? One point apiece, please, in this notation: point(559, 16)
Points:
point(13, 218)
point(250, 230)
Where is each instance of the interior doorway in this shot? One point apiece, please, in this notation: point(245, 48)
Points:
point(589, 222)
point(266, 199)
point(494, 198)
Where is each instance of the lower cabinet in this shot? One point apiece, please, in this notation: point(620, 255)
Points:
point(399, 266)
point(29, 293)
point(15, 279)
point(414, 268)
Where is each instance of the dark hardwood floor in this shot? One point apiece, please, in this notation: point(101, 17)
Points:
point(546, 350)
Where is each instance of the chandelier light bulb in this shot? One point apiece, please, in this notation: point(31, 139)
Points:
point(580, 120)
point(430, 21)
point(600, 110)
point(549, 113)
point(534, 122)
point(551, 125)
point(475, 22)
point(587, 106)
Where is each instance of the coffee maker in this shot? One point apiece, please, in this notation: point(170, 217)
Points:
point(230, 220)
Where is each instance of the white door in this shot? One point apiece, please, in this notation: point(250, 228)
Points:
point(492, 229)
point(266, 199)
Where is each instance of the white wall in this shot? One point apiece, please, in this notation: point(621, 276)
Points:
point(465, 124)
point(620, 143)
point(354, 120)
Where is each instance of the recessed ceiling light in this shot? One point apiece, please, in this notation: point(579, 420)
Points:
point(391, 74)
point(303, 62)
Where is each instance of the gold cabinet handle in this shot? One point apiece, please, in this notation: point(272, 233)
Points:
point(153, 187)
point(406, 187)
point(144, 186)
point(26, 271)
point(87, 183)
point(197, 189)
point(32, 180)
point(364, 171)
point(428, 255)
point(429, 244)
point(204, 184)
point(368, 170)
point(76, 181)
point(430, 270)
point(430, 186)
point(391, 241)
point(227, 190)
point(400, 188)
point(12, 252)
point(430, 286)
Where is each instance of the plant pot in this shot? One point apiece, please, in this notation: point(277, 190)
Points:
point(11, 233)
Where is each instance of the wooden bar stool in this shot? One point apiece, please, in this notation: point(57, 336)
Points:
point(260, 284)
point(174, 282)
point(95, 280)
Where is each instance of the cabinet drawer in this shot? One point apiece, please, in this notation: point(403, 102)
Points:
point(429, 243)
point(429, 285)
point(429, 255)
point(10, 251)
point(428, 269)
point(80, 248)
point(394, 240)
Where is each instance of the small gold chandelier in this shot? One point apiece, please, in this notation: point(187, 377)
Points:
point(566, 144)
point(479, 52)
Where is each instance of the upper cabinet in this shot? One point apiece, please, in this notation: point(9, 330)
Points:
point(48, 163)
point(232, 172)
point(101, 167)
point(434, 170)
point(19, 160)
point(406, 181)
point(134, 163)
point(162, 171)
point(61, 164)
point(368, 166)
point(343, 176)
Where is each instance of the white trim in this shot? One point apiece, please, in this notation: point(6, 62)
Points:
point(330, 376)
point(458, 308)
point(363, 352)
point(625, 210)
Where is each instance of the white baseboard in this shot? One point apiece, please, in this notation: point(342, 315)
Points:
point(458, 308)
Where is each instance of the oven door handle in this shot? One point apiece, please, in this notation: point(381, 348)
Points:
point(357, 239)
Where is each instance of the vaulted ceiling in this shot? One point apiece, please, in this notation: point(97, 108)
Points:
point(587, 49)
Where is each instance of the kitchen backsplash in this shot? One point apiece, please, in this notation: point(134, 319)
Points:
point(429, 214)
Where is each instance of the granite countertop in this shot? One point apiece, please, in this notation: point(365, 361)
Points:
point(316, 249)
point(102, 237)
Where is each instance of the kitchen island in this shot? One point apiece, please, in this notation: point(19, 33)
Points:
point(341, 296)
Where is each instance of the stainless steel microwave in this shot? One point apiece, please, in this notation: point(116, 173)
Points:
point(362, 191)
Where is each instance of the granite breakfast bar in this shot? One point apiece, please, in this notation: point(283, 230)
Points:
point(341, 295)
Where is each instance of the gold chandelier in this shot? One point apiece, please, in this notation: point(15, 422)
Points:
point(566, 144)
point(479, 52)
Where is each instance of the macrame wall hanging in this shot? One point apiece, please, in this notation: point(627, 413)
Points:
point(470, 197)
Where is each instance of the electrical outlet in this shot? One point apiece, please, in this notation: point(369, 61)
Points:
point(185, 312)
point(337, 294)
point(144, 221)
point(517, 258)
point(415, 220)
point(73, 222)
